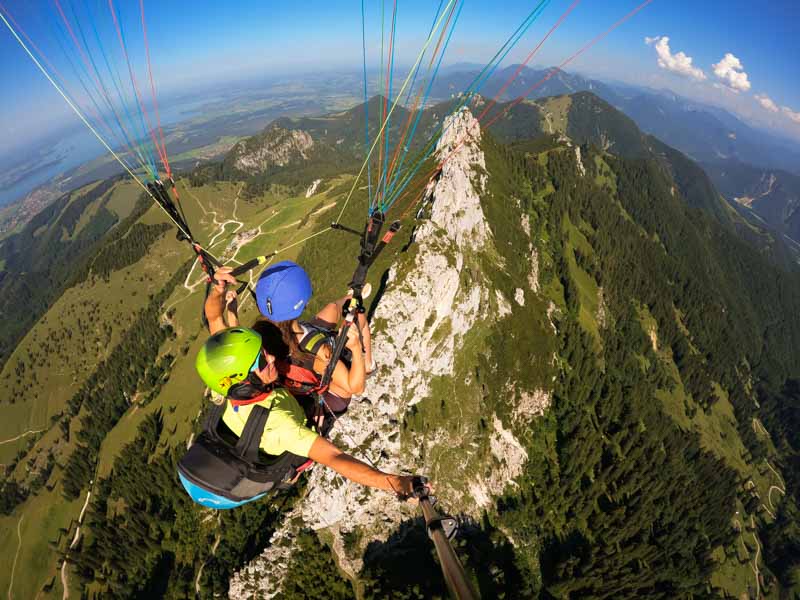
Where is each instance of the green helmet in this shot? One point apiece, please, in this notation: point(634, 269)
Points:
point(226, 357)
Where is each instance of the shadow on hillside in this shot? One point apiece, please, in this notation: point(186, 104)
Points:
point(406, 562)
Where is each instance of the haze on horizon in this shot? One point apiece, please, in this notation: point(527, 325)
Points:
point(735, 55)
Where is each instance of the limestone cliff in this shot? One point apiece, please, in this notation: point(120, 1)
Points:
point(435, 305)
point(276, 147)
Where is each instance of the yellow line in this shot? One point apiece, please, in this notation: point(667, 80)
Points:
point(378, 137)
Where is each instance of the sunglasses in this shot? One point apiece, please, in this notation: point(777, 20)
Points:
point(252, 385)
point(259, 363)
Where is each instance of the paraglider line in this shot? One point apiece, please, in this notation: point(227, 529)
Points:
point(396, 170)
point(87, 123)
point(93, 75)
point(511, 105)
point(399, 95)
point(366, 98)
point(390, 77)
point(115, 79)
point(142, 109)
point(163, 151)
point(477, 83)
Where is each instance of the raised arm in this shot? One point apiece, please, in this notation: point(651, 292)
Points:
point(215, 303)
point(350, 381)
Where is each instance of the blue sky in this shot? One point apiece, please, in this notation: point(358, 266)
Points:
point(209, 42)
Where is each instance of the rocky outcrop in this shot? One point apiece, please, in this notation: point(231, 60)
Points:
point(276, 147)
point(434, 299)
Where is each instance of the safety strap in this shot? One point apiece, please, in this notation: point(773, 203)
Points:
point(213, 417)
point(314, 338)
point(255, 399)
point(250, 439)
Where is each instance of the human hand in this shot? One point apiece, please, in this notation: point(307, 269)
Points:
point(353, 339)
point(222, 277)
point(230, 299)
point(411, 488)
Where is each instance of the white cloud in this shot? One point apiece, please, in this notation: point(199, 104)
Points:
point(767, 102)
point(794, 116)
point(731, 72)
point(678, 63)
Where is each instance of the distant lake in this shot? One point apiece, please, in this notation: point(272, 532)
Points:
point(81, 147)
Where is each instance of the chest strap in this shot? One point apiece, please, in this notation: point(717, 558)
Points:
point(250, 439)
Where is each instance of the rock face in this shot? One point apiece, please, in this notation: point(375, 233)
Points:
point(430, 305)
point(276, 147)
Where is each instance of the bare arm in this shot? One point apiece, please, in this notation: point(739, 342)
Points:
point(345, 382)
point(231, 308)
point(325, 453)
point(215, 303)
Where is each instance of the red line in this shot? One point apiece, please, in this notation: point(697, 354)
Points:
point(407, 126)
point(386, 97)
point(554, 70)
point(511, 105)
point(528, 59)
point(93, 72)
point(133, 79)
point(163, 152)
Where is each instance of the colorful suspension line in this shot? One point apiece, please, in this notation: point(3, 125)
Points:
point(373, 199)
point(113, 75)
point(94, 108)
point(427, 179)
point(394, 106)
point(390, 83)
point(366, 99)
point(163, 151)
point(155, 189)
point(140, 104)
point(417, 110)
point(67, 32)
point(474, 87)
point(91, 66)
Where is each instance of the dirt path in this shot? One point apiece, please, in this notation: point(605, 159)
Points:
point(778, 475)
point(769, 495)
point(16, 556)
point(190, 284)
point(754, 564)
point(75, 540)
point(755, 560)
point(203, 566)
point(21, 435)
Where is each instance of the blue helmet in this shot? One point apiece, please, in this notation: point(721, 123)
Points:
point(282, 291)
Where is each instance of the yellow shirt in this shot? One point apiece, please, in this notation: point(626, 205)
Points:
point(285, 430)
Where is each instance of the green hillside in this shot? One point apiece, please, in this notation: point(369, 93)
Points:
point(668, 343)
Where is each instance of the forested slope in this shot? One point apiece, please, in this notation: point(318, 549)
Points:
point(665, 344)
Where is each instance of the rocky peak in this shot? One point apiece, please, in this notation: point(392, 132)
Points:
point(457, 207)
point(276, 147)
point(433, 301)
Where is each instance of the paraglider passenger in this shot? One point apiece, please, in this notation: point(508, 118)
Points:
point(235, 363)
point(282, 292)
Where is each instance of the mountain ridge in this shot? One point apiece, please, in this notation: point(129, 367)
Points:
point(572, 346)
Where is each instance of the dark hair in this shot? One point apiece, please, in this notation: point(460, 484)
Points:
point(273, 340)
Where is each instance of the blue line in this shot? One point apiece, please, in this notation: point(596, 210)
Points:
point(389, 116)
point(418, 116)
point(106, 95)
point(478, 82)
point(115, 79)
point(139, 107)
point(366, 104)
point(408, 98)
point(59, 33)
